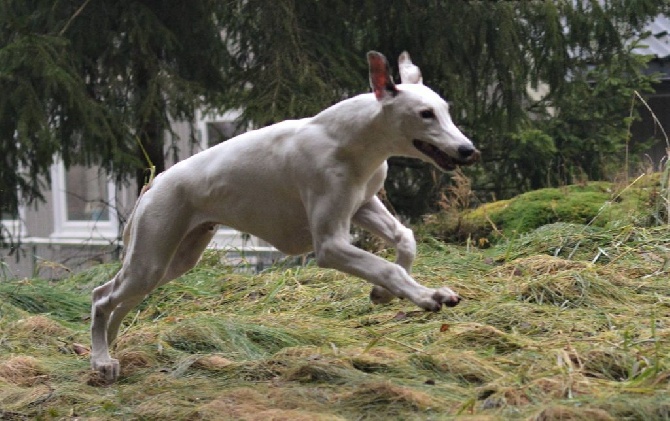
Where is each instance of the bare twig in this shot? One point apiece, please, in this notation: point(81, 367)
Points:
point(73, 17)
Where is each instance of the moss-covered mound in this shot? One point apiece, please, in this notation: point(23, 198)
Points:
point(598, 204)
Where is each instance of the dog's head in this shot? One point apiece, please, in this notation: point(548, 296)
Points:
point(426, 128)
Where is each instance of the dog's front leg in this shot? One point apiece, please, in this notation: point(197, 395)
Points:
point(375, 218)
point(336, 252)
point(330, 223)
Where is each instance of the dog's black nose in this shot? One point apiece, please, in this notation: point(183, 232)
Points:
point(466, 151)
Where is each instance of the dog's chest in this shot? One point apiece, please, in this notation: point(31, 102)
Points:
point(376, 182)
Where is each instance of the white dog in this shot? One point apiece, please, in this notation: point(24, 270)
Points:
point(299, 185)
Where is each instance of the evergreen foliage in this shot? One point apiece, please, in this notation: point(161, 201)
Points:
point(83, 80)
point(294, 58)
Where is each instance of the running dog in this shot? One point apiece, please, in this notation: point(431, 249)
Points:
point(299, 185)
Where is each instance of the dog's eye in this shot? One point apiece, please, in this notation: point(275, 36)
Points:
point(427, 114)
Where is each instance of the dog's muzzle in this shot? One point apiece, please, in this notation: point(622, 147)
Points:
point(468, 155)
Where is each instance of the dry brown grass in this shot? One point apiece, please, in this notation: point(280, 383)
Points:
point(538, 337)
point(23, 371)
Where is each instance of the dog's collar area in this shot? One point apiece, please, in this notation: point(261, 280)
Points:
point(440, 158)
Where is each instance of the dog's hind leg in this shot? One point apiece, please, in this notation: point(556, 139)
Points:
point(106, 299)
point(375, 218)
point(186, 257)
point(117, 316)
point(189, 251)
point(150, 252)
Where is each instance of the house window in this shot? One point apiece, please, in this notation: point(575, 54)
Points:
point(84, 203)
point(216, 128)
point(220, 131)
point(87, 195)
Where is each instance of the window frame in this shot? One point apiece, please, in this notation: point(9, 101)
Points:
point(64, 228)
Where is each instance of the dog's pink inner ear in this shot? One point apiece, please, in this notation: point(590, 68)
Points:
point(380, 78)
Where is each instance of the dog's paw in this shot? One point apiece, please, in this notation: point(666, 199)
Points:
point(446, 297)
point(441, 297)
point(107, 369)
point(380, 295)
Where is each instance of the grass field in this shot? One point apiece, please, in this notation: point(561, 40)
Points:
point(564, 322)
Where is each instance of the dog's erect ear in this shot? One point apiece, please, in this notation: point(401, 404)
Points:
point(380, 76)
point(409, 73)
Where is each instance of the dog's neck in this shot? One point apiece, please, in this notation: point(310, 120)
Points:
point(369, 135)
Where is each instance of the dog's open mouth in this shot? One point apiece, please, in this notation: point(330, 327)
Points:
point(442, 159)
